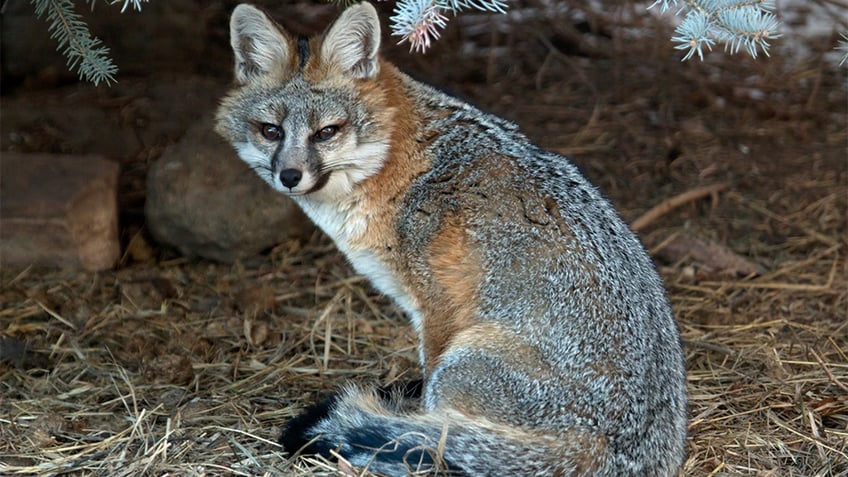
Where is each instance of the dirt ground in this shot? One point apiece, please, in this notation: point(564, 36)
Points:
point(171, 366)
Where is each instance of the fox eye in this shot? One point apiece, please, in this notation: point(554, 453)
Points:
point(325, 133)
point(271, 132)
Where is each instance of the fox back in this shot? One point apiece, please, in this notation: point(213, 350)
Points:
point(546, 340)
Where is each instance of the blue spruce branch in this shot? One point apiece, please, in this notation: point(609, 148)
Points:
point(136, 4)
point(842, 47)
point(420, 22)
point(85, 53)
point(741, 25)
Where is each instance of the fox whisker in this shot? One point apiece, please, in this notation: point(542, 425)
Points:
point(338, 166)
point(258, 169)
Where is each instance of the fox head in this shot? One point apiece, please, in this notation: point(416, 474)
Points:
point(306, 114)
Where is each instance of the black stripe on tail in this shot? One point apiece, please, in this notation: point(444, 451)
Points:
point(376, 442)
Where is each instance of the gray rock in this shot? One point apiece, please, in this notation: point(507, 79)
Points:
point(205, 202)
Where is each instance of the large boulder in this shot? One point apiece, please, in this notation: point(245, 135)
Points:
point(206, 202)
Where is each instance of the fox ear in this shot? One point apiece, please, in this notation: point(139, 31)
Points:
point(260, 47)
point(353, 40)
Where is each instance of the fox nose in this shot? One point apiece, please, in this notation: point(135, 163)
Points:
point(290, 177)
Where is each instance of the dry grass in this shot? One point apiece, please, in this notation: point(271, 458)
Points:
point(184, 368)
point(179, 367)
point(188, 368)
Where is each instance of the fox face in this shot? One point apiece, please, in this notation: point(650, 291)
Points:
point(302, 115)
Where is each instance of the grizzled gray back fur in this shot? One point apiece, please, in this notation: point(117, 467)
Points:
point(616, 316)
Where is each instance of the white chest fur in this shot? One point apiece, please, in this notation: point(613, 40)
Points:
point(345, 225)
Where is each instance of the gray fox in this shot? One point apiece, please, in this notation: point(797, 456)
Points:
point(546, 339)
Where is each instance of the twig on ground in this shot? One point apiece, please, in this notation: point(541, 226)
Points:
point(672, 203)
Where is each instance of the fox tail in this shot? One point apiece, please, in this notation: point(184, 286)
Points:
point(376, 429)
